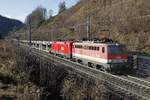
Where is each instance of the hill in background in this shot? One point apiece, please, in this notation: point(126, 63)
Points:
point(126, 21)
point(7, 25)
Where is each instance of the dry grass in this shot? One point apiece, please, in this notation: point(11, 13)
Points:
point(2, 44)
point(7, 87)
point(10, 86)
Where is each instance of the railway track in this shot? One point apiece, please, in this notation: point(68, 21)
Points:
point(130, 86)
point(138, 80)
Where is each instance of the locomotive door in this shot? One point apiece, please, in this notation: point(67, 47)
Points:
point(71, 51)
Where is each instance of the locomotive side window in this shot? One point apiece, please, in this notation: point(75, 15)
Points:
point(75, 46)
point(103, 50)
point(97, 48)
point(78, 46)
point(90, 48)
point(86, 47)
point(93, 48)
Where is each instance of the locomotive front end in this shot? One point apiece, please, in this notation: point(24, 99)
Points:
point(117, 57)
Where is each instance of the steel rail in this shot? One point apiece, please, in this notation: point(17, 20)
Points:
point(138, 80)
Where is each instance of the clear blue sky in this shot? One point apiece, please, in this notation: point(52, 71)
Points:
point(19, 9)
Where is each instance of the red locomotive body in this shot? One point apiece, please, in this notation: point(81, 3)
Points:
point(63, 48)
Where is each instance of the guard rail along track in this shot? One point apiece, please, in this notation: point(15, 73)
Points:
point(131, 88)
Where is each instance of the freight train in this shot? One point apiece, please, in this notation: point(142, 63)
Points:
point(104, 55)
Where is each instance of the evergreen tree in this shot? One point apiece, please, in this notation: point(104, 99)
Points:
point(37, 16)
point(62, 6)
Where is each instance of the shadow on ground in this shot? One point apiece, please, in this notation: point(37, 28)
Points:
point(4, 97)
point(7, 79)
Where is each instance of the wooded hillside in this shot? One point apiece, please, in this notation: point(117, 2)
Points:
point(127, 21)
point(7, 25)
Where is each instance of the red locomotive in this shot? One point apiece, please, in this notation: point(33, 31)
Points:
point(104, 55)
point(62, 48)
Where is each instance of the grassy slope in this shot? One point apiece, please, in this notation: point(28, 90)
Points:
point(7, 87)
point(127, 22)
point(10, 78)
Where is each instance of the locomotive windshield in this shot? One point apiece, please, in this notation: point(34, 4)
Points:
point(116, 49)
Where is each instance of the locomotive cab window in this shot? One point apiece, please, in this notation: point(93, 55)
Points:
point(116, 49)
